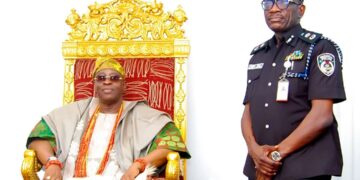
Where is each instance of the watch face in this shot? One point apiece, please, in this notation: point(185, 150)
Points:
point(52, 158)
point(275, 155)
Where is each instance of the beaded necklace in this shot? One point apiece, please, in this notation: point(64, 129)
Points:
point(80, 164)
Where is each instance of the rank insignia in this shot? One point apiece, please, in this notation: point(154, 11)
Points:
point(260, 47)
point(312, 37)
point(326, 63)
point(294, 56)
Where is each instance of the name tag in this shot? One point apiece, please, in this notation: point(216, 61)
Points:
point(255, 66)
point(282, 90)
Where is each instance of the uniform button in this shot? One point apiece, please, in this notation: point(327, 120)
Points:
point(269, 84)
point(266, 105)
point(273, 64)
point(267, 126)
point(249, 81)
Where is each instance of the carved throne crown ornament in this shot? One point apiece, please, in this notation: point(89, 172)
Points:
point(126, 20)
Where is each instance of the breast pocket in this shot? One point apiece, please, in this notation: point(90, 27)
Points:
point(298, 88)
point(298, 85)
point(253, 77)
point(298, 66)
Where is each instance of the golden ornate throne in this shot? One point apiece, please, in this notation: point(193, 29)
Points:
point(150, 44)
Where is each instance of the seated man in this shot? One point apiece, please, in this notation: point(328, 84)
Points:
point(105, 137)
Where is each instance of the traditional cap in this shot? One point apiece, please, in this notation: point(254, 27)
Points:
point(108, 63)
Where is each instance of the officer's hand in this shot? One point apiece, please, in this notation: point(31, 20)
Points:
point(263, 163)
point(53, 172)
point(261, 176)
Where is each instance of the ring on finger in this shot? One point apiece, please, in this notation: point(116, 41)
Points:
point(48, 177)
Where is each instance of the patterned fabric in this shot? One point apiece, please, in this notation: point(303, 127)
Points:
point(170, 138)
point(42, 131)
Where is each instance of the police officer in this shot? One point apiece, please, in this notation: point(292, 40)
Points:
point(294, 79)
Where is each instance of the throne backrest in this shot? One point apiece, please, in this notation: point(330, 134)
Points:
point(147, 41)
point(149, 79)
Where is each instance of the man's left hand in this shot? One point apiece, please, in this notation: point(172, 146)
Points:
point(131, 173)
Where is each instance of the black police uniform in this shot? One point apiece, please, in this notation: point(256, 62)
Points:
point(315, 73)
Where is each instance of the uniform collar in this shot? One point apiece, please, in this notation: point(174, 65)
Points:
point(290, 37)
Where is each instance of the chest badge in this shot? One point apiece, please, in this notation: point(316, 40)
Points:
point(326, 63)
point(295, 56)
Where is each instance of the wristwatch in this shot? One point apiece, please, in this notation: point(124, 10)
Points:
point(275, 155)
point(52, 158)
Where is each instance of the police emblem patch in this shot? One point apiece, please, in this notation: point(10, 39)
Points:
point(326, 63)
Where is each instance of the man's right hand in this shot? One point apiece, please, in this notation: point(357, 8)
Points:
point(263, 164)
point(53, 172)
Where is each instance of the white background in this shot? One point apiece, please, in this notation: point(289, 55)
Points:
point(222, 34)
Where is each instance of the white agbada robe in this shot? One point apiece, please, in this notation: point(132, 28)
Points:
point(97, 147)
point(131, 141)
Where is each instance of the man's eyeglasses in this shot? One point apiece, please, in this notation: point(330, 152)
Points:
point(112, 78)
point(281, 4)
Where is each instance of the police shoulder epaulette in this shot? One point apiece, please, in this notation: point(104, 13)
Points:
point(258, 48)
point(338, 50)
point(310, 37)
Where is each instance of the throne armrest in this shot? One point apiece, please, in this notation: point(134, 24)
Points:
point(30, 166)
point(173, 166)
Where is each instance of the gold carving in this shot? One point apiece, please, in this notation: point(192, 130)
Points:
point(30, 165)
point(181, 48)
point(126, 28)
point(121, 20)
point(156, 48)
point(180, 102)
point(173, 166)
point(69, 81)
point(180, 95)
